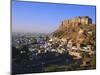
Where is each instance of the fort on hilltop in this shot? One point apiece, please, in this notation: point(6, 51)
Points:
point(79, 20)
point(76, 29)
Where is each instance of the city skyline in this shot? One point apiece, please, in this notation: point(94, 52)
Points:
point(45, 17)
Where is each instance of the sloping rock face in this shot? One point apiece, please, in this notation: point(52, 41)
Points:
point(79, 30)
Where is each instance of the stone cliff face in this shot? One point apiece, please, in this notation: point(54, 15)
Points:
point(78, 29)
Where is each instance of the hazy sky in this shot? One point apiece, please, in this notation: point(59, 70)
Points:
point(45, 17)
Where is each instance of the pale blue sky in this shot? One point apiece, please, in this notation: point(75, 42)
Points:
point(45, 17)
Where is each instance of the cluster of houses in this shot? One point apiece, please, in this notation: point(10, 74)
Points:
point(53, 44)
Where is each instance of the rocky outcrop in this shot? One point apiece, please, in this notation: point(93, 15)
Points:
point(78, 30)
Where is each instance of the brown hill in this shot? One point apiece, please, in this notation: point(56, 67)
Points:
point(78, 29)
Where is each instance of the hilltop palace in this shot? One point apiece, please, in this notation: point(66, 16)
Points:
point(77, 21)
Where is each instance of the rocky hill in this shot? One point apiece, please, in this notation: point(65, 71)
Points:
point(78, 29)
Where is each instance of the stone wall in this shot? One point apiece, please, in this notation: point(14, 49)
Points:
point(84, 20)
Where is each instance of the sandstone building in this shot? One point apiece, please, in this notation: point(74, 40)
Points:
point(84, 20)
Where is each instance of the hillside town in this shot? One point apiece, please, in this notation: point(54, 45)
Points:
point(32, 52)
point(46, 44)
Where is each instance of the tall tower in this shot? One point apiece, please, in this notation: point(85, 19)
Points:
point(86, 20)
